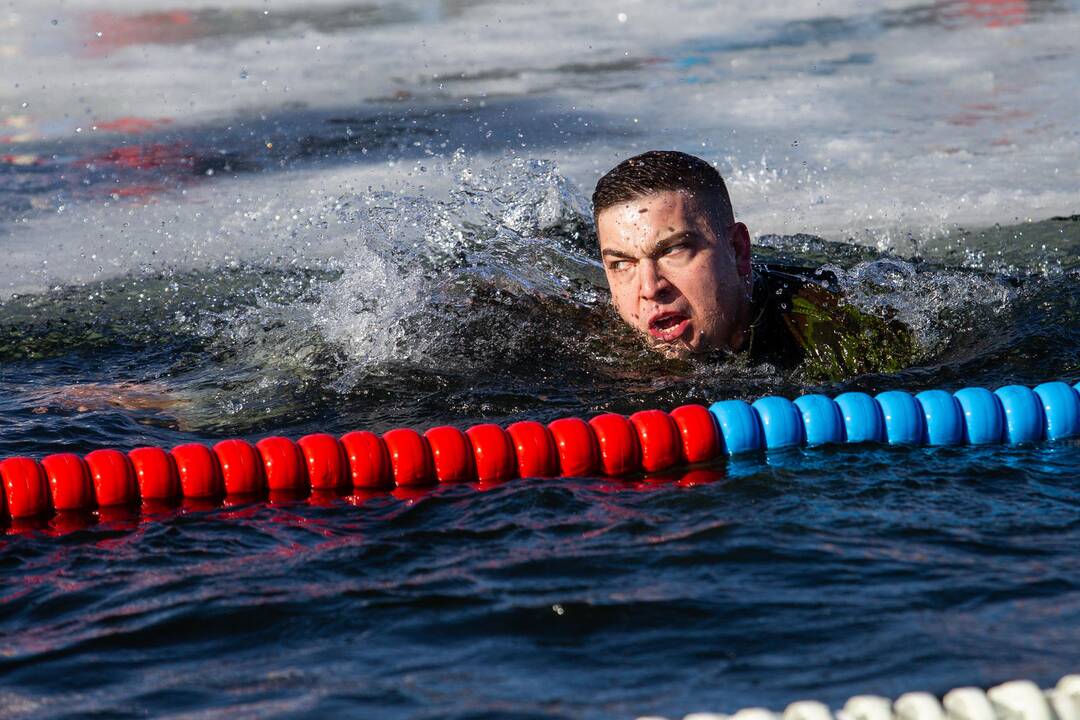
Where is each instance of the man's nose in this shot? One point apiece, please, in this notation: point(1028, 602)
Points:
point(653, 283)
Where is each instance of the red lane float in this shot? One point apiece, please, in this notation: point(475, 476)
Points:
point(241, 467)
point(156, 474)
point(620, 452)
point(200, 476)
point(69, 482)
point(699, 434)
point(325, 461)
point(535, 449)
point(283, 464)
point(369, 460)
point(576, 446)
point(658, 438)
point(410, 457)
point(112, 477)
point(401, 460)
point(493, 451)
point(25, 487)
point(451, 454)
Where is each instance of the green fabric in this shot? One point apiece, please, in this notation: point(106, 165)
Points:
point(802, 325)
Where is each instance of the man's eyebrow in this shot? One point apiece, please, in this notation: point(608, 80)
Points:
point(666, 242)
point(608, 252)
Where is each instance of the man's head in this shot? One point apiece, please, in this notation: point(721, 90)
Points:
point(677, 263)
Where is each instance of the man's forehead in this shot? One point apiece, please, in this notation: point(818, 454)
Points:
point(649, 217)
point(662, 199)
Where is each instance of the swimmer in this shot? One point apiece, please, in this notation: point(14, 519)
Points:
point(680, 272)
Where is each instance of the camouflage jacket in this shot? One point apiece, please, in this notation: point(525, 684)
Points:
point(800, 324)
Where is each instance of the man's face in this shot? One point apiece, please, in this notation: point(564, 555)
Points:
point(673, 277)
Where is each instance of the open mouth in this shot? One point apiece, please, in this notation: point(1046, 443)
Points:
point(667, 327)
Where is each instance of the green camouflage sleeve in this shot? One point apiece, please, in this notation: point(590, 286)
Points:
point(840, 341)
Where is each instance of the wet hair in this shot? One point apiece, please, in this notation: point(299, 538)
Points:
point(665, 170)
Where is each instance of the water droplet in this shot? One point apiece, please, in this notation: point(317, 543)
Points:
point(243, 73)
point(54, 21)
point(794, 143)
point(622, 17)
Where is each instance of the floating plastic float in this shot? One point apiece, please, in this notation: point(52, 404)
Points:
point(1015, 700)
point(649, 442)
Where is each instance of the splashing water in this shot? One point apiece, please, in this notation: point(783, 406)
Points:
point(487, 299)
point(939, 305)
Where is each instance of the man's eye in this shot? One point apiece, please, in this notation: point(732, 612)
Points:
point(619, 265)
point(672, 249)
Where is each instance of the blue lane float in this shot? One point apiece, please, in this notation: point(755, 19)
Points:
point(970, 416)
point(1024, 417)
point(984, 421)
point(822, 421)
point(740, 426)
point(943, 416)
point(781, 423)
point(863, 419)
point(1062, 407)
point(904, 420)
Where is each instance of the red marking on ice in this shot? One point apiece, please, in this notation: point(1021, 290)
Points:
point(975, 113)
point(145, 157)
point(120, 31)
point(997, 13)
point(137, 191)
point(133, 125)
point(157, 168)
point(23, 160)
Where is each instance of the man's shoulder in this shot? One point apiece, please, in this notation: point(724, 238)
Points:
point(803, 321)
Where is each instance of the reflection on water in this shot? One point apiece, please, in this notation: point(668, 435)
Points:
point(985, 13)
point(1000, 13)
point(839, 571)
point(110, 31)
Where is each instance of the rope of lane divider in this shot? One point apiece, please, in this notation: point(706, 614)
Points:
point(1014, 700)
point(649, 441)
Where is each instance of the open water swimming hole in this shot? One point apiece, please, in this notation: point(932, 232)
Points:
point(284, 238)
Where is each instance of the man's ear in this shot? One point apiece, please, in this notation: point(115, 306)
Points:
point(740, 243)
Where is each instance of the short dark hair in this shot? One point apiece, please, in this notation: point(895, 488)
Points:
point(665, 170)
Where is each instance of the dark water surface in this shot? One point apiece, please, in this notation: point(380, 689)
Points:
point(825, 574)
